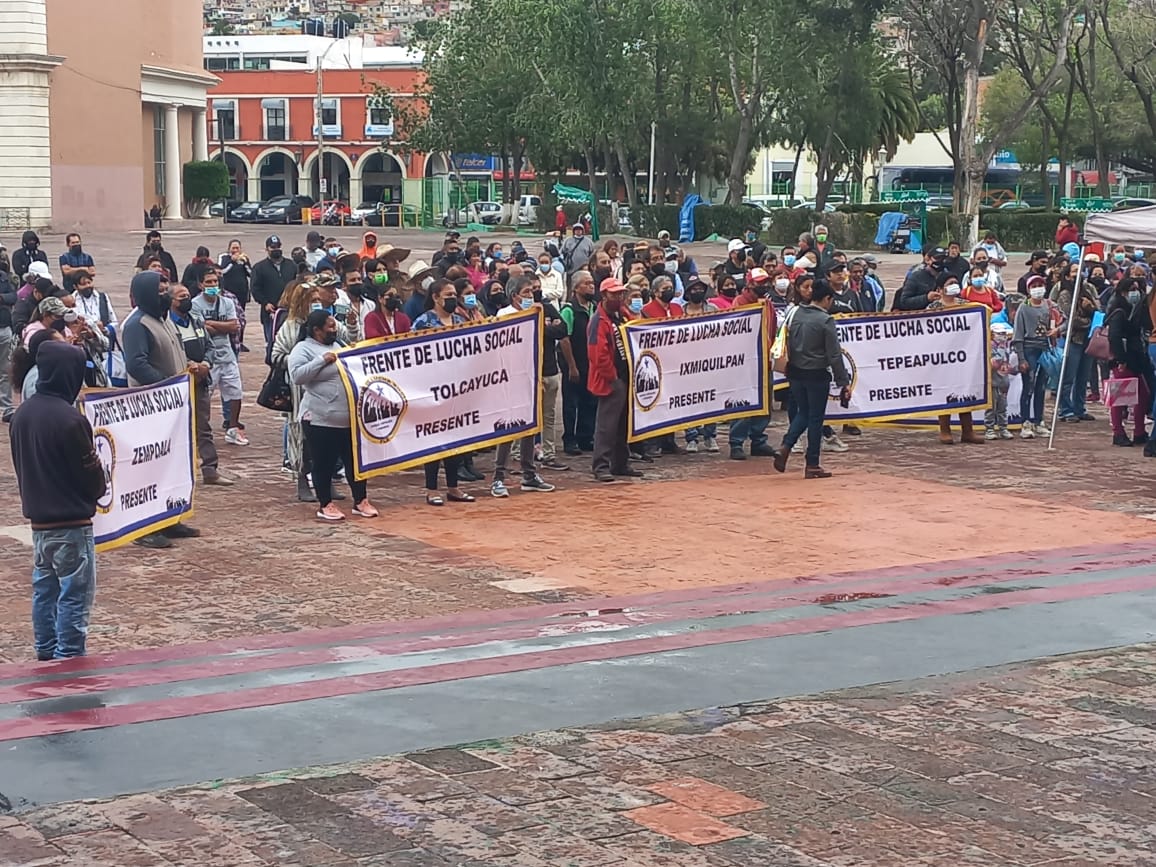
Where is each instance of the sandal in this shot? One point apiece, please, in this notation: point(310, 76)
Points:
point(464, 498)
point(434, 500)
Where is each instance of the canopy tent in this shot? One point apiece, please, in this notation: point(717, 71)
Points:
point(1135, 227)
point(581, 197)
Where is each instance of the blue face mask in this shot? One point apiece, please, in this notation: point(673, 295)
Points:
point(527, 303)
point(212, 291)
point(635, 305)
point(470, 301)
point(315, 306)
point(979, 282)
point(544, 267)
point(498, 255)
point(788, 260)
point(1135, 297)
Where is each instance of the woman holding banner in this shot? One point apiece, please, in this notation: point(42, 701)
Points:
point(950, 286)
point(324, 414)
point(441, 312)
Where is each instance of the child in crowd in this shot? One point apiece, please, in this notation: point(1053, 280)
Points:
point(1002, 364)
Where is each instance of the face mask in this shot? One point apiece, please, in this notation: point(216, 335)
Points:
point(526, 303)
point(184, 306)
point(1119, 257)
point(212, 291)
point(789, 260)
point(59, 325)
point(354, 290)
point(1041, 267)
point(821, 238)
point(671, 266)
point(1135, 297)
point(758, 291)
point(981, 263)
point(499, 255)
point(728, 291)
point(426, 283)
point(393, 303)
point(450, 305)
point(659, 269)
point(329, 338)
point(276, 255)
point(86, 291)
point(381, 278)
point(316, 305)
point(74, 250)
point(951, 289)
point(334, 252)
point(697, 296)
point(453, 258)
point(636, 305)
point(1037, 293)
point(70, 316)
point(751, 237)
point(667, 295)
point(544, 267)
point(470, 301)
point(782, 285)
point(154, 245)
point(979, 282)
point(498, 301)
point(298, 257)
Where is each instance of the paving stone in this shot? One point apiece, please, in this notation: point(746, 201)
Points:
point(60, 820)
point(286, 845)
point(753, 852)
point(150, 820)
point(555, 846)
point(582, 817)
point(706, 797)
point(534, 762)
point(613, 795)
point(417, 782)
point(21, 845)
point(648, 849)
point(338, 784)
point(450, 762)
point(405, 858)
point(111, 848)
point(489, 815)
point(511, 787)
point(685, 825)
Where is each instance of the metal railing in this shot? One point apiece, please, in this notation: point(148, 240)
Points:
point(12, 219)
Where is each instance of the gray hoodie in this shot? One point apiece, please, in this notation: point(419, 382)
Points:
point(324, 402)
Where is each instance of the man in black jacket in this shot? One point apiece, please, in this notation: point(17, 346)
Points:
point(61, 479)
point(155, 248)
point(268, 282)
point(7, 303)
point(918, 290)
point(28, 253)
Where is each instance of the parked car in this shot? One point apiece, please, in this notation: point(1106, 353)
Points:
point(397, 215)
point(486, 213)
point(283, 209)
point(367, 210)
point(1014, 205)
point(528, 210)
point(334, 213)
point(1124, 204)
point(220, 208)
point(809, 205)
point(758, 212)
point(245, 212)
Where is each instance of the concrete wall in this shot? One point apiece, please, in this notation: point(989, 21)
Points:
point(25, 166)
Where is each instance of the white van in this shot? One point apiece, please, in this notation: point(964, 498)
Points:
point(528, 210)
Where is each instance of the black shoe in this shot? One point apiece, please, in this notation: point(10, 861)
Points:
point(763, 451)
point(1070, 418)
point(852, 430)
point(181, 531)
point(781, 459)
point(605, 477)
point(1121, 440)
point(586, 449)
point(631, 473)
point(468, 474)
point(738, 456)
point(304, 492)
point(641, 456)
point(243, 348)
point(156, 541)
point(1150, 449)
point(573, 451)
point(816, 473)
point(1140, 440)
point(1087, 417)
point(555, 465)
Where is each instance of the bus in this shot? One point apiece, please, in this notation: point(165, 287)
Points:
point(1000, 184)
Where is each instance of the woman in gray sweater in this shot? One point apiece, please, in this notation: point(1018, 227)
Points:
point(324, 414)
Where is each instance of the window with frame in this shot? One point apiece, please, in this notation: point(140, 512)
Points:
point(328, 112)
point(225, 113)
point(276, 126)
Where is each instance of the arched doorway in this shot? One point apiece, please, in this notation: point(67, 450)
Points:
point(277, 172)
point(337, 175)
point(381, 177)
point(239, 172)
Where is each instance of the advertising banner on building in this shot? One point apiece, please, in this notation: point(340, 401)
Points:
point(913, 365)
point(419, 397)
point(696, 370)
point(146, 442)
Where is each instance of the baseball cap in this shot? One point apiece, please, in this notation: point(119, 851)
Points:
point(451, 235)
point(664, 235)
point(273, 241)
point(758, 275)
point(39, 269)
point(870, 259)
point(1036, 256)
point(611, 284)
point(837, 266)
point(52, 307)
point(735, 245)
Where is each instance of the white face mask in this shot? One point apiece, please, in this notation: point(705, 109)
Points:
point(782, 284)
point(1037, 292)
point(952, 289)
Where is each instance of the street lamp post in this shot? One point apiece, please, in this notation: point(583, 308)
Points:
point(321, 185)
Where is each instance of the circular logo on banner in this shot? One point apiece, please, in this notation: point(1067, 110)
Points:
point(380, 407)
point(647, 381)
point(852, 371)
point(106, 453)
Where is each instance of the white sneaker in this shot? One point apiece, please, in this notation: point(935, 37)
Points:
point(711, 444)
point(692, 448)
point(1026, 432)
point(835, 444)
point(1042, 431)
point(798, 448)
point(499, 489)
point(1005, 434)
point(990, 434)
point(234, 437)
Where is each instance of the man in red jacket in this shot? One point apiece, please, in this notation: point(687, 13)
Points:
point(608, 380)
point(1067, 232)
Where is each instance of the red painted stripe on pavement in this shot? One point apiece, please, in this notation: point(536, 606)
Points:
point(240, 665)
point(176, 708)
point(1032, 561)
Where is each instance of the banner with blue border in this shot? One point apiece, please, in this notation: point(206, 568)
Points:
point(415, 398)
point(146, 440)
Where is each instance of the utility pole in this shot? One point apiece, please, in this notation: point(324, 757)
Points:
point(320, 131)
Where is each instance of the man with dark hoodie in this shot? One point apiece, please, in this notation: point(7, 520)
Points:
point(60, 479)
point(28, 253)
point(155, 248)
point(153, 352)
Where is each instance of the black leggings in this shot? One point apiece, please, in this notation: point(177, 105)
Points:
point(431, 472)
point(331, 447)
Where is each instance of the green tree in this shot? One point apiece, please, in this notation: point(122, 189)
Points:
point(221, 27)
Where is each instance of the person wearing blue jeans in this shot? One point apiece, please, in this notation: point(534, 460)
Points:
point(810, 394)
point(708, 432)
point(1034, 329)
point(1074, 388)
point(754, 428)
point(63, 588)
point(1035, 383)
point(61, 480)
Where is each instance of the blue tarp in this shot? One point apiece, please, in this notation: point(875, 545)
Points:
point(888, 223)
point(686, 218)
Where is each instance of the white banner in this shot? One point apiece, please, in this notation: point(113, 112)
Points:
point(907, 365)
point(146, 442)
point(423, 396)
point(696, 370)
